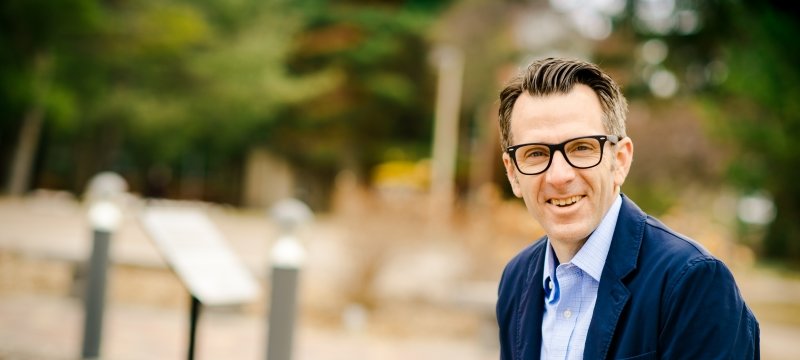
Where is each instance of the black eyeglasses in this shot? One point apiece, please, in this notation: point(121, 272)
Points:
point(581, 153)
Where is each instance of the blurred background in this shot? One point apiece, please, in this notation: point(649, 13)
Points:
point(380, 115)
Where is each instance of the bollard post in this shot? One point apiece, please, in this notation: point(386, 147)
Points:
point(104, 217)
point(287, 259)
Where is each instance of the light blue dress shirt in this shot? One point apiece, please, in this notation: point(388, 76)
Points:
point(571, 291)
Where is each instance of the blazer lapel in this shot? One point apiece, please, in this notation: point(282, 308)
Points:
point(531, 310)
point(612, 294)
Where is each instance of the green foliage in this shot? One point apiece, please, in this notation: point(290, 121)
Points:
point(384, 88)
point(194, 85)
point(37, 45)
point(188, 88)
point(757, 111)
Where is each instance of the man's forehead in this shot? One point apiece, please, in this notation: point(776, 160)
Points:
point(578, 110)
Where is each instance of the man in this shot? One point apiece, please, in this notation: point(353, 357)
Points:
point(607, 281)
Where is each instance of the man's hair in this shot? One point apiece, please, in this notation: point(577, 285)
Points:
point(558, 76)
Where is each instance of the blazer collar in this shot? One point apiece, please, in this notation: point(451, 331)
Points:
point(613, 294)
point(531, 309)
point(627, 240)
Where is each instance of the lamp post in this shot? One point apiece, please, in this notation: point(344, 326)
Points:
point(287, 259)
point(104, 217)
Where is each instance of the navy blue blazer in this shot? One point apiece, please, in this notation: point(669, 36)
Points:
point(661, 296)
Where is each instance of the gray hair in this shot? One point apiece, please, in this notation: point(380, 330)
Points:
point(558, 76)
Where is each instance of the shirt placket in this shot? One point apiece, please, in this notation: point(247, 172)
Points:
point(569, 278)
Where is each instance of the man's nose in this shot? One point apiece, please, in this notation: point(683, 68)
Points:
point(560, 171)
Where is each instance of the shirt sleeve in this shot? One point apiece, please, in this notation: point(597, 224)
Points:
point(705, 317)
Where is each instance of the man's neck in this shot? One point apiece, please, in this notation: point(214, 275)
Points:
point(565, 251)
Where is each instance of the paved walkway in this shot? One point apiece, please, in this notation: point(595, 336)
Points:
point(46, 327)
point(41, 320)
point(41, 240)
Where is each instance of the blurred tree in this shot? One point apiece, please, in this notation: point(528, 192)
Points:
point(738, 61)
point(130, 85)
point(38, 45)
point(382, 104)
point(211, 87)
point(757, 109)
point(184, 89)
point(482, 31)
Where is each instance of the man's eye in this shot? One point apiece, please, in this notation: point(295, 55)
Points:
point(535, 153)
point(582, 147)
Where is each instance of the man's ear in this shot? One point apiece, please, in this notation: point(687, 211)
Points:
point(511, 173)
point(623, 158)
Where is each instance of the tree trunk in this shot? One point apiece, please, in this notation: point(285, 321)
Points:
point(26, 151)
point(29, 134)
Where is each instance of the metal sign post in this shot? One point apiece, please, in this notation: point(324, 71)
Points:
point(194, 314)
point(202, 260)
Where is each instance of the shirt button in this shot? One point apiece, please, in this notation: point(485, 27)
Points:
point(567, 314)
point(550, 285)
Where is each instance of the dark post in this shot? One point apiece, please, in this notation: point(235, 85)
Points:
point(287, 259)
point(95, 294)
point(194, 314)
point(104, 217)
point(283, 309)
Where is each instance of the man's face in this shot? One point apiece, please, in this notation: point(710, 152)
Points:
point(587, 193)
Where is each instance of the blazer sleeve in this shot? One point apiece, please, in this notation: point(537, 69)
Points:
point(705, 317)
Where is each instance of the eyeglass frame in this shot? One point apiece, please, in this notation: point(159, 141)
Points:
point(612, 139)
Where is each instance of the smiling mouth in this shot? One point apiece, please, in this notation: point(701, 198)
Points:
point(566, 201)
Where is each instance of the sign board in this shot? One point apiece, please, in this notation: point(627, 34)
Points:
point(198, 253)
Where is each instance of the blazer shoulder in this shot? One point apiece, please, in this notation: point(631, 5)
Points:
point(669, 242)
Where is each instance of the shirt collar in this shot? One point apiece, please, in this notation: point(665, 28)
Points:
point(549, 270)
point(592, 256)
